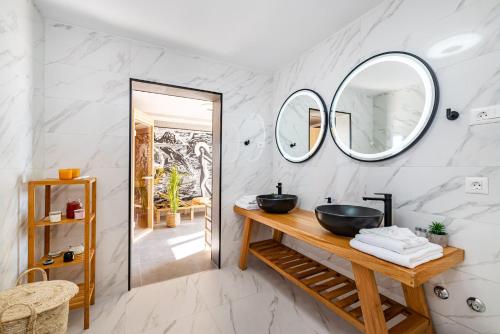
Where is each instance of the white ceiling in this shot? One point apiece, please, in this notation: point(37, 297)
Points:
point(386, 76)
point(174, 111)
point(261, 34)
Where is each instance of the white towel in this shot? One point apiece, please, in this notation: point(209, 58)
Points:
point(402, 234)
point(247, 206)
point(430, 253)
point(397, 246)
point(247, 202)
point(248, 199)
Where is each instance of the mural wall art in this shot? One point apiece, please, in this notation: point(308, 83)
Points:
point(191, 152)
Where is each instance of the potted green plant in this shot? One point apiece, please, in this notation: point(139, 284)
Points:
point(174, 182)
point(436, 233)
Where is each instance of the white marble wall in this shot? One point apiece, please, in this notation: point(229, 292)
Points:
point(396, 113)
point(359, 103)
point(428, 180)
point(87, 112)
point(21, 105)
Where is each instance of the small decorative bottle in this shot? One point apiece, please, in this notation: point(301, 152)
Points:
point(71, 206)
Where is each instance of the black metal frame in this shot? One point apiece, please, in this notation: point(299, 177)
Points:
point(325, 114)
point(429, 122)
point(131, 80)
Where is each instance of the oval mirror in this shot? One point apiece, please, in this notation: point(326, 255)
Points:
point(383, 106)
point(301, 125)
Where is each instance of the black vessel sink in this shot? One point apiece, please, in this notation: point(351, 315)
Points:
point(347, 220)
point(277, 203)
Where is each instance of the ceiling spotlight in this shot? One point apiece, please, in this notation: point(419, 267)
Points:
point(453, 45)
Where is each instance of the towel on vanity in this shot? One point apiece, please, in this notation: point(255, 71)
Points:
point(429, 253)
point(397, 246)
point(247, 202)
point(402, 235)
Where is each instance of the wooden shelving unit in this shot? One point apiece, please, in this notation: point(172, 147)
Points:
point(357, 300)
point(86, 294)
point(337, 292)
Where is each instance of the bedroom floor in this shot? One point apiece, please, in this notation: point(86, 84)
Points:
point(167, 253)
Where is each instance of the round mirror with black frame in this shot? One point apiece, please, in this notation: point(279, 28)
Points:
point(384, 106)
point(301, 125)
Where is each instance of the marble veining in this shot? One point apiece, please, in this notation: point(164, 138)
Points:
point(86, 109)
point(66, 87)
point(428, 180)
point(21, 108)
point(217, 301)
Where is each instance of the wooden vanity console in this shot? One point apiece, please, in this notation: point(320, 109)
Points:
point(357, 301)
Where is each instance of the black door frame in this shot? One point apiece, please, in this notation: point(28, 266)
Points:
point(217, 260)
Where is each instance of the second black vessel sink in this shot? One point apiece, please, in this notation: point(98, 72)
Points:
point(277, 203)
point(347, 220)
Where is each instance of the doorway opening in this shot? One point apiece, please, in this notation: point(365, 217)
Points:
point(175, 174)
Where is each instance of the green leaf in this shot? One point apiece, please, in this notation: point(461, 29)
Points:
point(437, 228)
point(173, 189)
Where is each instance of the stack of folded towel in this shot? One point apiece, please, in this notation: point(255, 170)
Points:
point(247, 202)
point(397, 245)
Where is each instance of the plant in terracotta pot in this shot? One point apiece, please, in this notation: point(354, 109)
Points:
point(174, 182)
point(436, 233)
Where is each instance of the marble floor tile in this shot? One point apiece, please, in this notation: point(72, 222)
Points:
point(254, 301)
point(202, 322)
point(219, 287)
point(107, 315)
point(153, 272)
point(254, 314)
point(159, 304)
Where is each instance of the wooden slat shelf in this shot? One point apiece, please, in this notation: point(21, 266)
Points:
point(335, 291)
point(78, 300)
point(58, 182)
point(59, 263)
point(46, 222)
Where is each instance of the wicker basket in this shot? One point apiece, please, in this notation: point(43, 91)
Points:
point(40, 307)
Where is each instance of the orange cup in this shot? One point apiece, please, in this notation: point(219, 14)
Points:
point(65, 174)
point(75, 172)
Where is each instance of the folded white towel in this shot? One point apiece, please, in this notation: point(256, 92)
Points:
point(248, 199)
point(401, 234)
point(397, 246)
point(430, 253)
point(247, 205)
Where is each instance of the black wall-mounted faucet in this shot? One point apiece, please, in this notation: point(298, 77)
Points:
point(280, 188)
point(387, 199)
point(328, 200)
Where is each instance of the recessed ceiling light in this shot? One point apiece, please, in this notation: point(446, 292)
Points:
point(454, 45)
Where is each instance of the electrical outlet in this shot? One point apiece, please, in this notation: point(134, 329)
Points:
point(476, 185)
point(485, 115)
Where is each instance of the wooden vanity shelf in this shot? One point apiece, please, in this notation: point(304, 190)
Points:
point(357, 301)
point(86, 293)
point(336, 291)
